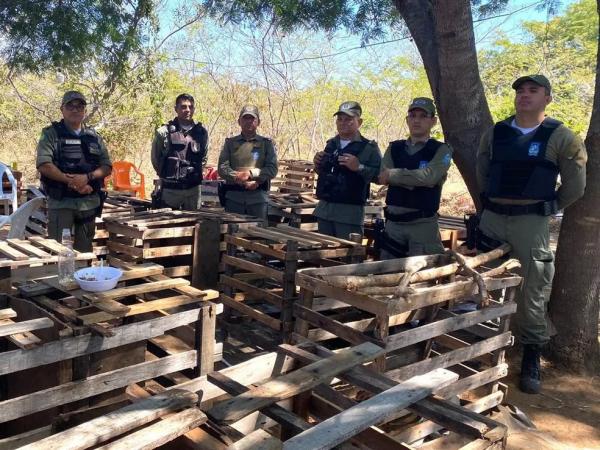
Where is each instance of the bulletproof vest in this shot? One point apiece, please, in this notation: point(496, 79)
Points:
point(518, 166)
point(421, 197)
point(248, 155)
point(182, 164)
point(339, 184)
point(78, 154)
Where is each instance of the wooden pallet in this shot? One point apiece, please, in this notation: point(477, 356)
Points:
point(379, 302)
point(294, 176)
point(99, 343)
point(261, 264)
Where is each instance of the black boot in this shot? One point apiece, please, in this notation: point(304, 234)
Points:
point(530, 381)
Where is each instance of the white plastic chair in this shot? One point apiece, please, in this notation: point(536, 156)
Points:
point(18, 219)
point(12, 196)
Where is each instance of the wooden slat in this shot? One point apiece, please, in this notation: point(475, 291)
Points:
point(26, 247)
point(253, 267)
point(143, 288)
point(161, 432)
point(25, 326)
point(7, 313)
point(24, 340)
point(257, 440)
point(94, 385)
point(294, 383)
point(271, 322)
point(375, 410)
point(12, 253)
point(116, 423)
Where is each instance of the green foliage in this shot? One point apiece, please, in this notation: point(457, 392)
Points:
point(564, 49)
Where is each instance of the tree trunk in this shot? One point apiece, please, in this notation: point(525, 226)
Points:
point(443, 33)
point(574, 302)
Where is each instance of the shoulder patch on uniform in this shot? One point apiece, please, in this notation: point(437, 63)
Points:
point(447, 159)
point(534, 149)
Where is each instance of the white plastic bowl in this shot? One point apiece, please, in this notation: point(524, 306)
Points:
point(98, 279)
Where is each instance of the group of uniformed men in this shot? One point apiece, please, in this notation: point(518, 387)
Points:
point(518, 165)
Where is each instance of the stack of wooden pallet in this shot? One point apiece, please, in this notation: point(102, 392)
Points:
point(294, 176)
point(86, 348)
point(186, 243)
point(261, 264)
point(411, 307)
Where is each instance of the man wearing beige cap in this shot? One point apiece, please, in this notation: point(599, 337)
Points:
point(345, 168)
point(415, 170)
point(73, 161)
point(518, 165)
point(247, 163)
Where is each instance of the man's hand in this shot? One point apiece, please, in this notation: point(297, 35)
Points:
point(384, 177)
point(318, 158)
point(84, 190)
point(242, 176)
point(251, 185)
point(77, 181)
point(349, 161)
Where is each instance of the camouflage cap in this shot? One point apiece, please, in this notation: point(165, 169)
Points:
point(250, 110)
point(352, 109)
point(73, 95)
point(424, 103)
point(537, 79)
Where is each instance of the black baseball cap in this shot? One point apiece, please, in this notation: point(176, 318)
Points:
point(537, 79)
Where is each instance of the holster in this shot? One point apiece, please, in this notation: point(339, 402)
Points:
point(156, 195)
point(382, 241)
point(222, 189)
point(103, 196)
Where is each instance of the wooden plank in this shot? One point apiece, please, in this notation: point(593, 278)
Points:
point(257, 440)
point(94, 385)
point(163, 252)
point(25, 340)
point(48, 244)
point(440, 327)
point(377, 409)
point(24, 246)
point(294, 383)
point(7, 313)
point(275, 412)
point(143, 288)
point(12, 253)
point(16, 360)
point(253, 267)
point(25, 326)
point(161, 432)
point(451, 358)
point(116, 423)
point(256, 292)
point(271, 322)
point(254, 245)
point(141, 308)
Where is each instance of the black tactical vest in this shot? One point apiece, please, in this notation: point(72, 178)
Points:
point(78, 154)
point(518, 166)
point(181, 167)
point(421, 197)
point(337, 183)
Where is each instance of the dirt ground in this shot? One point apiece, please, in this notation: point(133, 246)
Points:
point(568, 408)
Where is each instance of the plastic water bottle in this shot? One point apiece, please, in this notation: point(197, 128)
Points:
point(66, 259)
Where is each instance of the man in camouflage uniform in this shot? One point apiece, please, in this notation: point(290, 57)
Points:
point(179, 151)
point(415, 170)
point(345, 168)
point(518, 165)
point(248, 162)
point(73, 161)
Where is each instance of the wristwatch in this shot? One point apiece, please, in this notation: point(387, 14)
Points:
point(361, 166)
point(90, 176)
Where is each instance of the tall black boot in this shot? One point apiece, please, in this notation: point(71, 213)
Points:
point(530, 381)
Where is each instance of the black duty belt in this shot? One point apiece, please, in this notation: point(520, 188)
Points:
point(409, 216)
point(179, 185)
point(541, 208)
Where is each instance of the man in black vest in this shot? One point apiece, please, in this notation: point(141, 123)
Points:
point(415, 170)
point(346, 169)
point(179, 151)
point(518, 164)
point(73, 161)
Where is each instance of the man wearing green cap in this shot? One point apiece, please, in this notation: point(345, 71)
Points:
point(179, 151)
point(73, 161)
point(345, 168)
point(518, 165)
point(247, 163)
point(415, 170)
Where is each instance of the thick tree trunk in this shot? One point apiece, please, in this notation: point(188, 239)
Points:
point(574, 302)
point(443, 33)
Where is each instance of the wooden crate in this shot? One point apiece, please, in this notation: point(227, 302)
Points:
point(99, 343)
point(294, 176)
point(374, 302)
point(261, 264)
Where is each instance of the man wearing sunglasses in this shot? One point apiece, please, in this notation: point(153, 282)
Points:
point(73, 161)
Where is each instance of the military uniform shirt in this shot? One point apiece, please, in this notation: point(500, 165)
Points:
point(370, 158)
point(160, 145)
point(237, 153)
point(46, 153)
point(564, 148)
